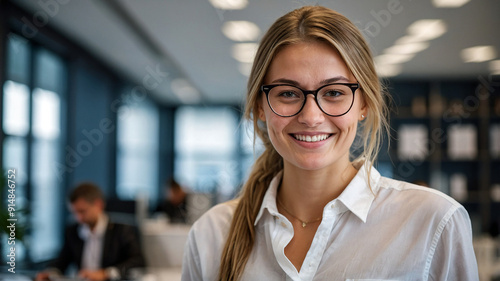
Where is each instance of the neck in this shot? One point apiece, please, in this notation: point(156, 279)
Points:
point(92, 226)
point(304, 193)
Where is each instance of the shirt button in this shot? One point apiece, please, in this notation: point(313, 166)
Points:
point(283, 224)
point(332, 206)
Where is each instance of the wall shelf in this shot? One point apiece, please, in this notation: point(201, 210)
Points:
point(456, 113)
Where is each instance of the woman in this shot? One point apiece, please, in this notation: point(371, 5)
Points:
point(308, 210)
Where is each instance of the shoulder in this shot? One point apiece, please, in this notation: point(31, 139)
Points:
point(71, 232)
point(206, 240)
point(411, 198)
point(217, 219)
point(120, 226)
point(122, 231)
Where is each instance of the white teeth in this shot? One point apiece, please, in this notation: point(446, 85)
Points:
point(308, 138)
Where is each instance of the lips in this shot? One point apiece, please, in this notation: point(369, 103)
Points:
point(311, 138)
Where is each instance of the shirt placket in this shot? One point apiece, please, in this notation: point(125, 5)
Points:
point(319, 243)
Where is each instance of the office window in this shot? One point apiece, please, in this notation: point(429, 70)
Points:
point(32, 126)
point(206, 143)
point(251, 149)
point(16, 109)
point(138, 150)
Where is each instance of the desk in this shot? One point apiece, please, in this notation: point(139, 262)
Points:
point(163, 243)
point(488, 262)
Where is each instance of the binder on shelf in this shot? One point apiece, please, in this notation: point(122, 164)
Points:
point(413, 142)
point(462, 142)
point(458, 187)
point(418, 106)
point(437, 105)
point(495, 193)
point(495, 141)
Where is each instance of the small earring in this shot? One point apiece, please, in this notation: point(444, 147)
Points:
point(362, 116)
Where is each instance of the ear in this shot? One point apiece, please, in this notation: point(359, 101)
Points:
point(262, 114)
point(100, 204)
point(363, 113)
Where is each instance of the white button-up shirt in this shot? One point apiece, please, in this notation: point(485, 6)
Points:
point(400, 231)
point(93, 243)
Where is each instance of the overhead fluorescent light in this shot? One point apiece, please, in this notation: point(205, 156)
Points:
point(449, 3)
point(478, 54)
point(388, 70)
point(241, 31)
point(409, 48)
point(393, 58)
point(184, 91)
point(245, 68)
point(427, 29)
point(245, 52)
point(229, 4)
point(495, 67)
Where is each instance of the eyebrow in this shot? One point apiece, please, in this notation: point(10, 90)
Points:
point(322, 82)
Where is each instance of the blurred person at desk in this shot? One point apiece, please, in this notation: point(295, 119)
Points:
point(101, 249)
point(175, 204)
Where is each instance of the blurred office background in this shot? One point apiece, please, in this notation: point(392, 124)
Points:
point(129, 94)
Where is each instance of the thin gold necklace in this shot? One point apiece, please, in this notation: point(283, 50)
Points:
point(304, 223)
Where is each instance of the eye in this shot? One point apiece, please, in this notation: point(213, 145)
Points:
point(288, 94)
point(333, 93)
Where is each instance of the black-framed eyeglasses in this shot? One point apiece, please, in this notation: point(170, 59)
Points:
point(334, 99)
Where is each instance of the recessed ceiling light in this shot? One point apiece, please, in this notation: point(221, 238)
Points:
point(229, 4)
point(245, 52)
point(478, 54)
point(241, 30)
point(410, 48)
point(449, 3)
point(184, 91)
point(393, 58)
point(422, 30)
point(388, 70)
point(495, 67)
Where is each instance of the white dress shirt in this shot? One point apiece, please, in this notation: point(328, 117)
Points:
point(400, 231)
point(93, 243)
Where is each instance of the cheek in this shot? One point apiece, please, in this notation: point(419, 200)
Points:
point(346, 123)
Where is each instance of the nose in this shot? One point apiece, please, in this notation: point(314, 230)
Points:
point(311, 115)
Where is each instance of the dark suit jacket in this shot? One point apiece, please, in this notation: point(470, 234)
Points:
point(121, 249)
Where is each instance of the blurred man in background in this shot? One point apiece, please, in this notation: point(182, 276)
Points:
point(175, 204)
point(101, 249)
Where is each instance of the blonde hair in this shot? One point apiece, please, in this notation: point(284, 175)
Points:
point(306, 24)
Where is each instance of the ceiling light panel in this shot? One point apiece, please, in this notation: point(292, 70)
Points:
point(405, 49)
point(478, 54)
point(229, 4)
point(427, 29)
point(495, 67)
point(449, 3)
point(244, 52)
point(184, 91)
point(245, 68)
point(241, 31)
point(388, 70)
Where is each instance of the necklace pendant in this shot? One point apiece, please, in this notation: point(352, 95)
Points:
point(304, 224)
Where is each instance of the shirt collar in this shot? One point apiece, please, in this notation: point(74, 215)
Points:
point(100, 228)
point(269, 201)
point(357, 196)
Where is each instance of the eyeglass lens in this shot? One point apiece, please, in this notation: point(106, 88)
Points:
point(287, 100)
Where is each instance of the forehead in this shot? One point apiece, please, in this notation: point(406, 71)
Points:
point(308, 63)
point(80, 203)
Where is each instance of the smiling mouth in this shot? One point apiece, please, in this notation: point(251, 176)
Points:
point(314, 138)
